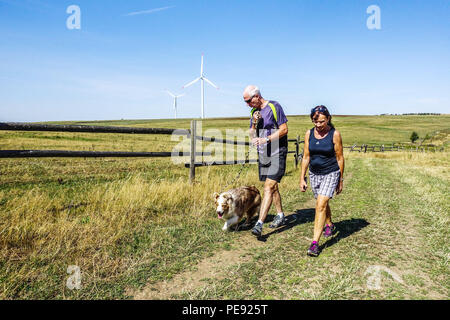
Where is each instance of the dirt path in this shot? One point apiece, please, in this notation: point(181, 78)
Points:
point(211, 267)
point(208, 268)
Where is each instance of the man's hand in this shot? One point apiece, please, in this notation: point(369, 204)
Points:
point(259, 141)
point(256, 117)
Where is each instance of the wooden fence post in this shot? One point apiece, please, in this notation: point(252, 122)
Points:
point(297, 143)
point(193, 149)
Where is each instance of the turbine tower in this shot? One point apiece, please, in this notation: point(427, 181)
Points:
point(175, 97)
point(202, 78)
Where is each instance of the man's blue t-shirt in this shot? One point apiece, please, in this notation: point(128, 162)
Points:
point(267, 125)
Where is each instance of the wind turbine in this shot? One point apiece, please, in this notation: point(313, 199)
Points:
point(175, 97)
point(202, 78)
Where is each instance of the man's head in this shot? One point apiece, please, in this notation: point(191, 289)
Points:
point(252, 96)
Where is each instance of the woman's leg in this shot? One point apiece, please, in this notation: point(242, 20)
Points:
point(321, 216)
point(328, 218)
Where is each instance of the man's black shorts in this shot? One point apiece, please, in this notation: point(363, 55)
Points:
point(272, 168)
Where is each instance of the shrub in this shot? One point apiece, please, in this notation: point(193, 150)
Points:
point(414, 137)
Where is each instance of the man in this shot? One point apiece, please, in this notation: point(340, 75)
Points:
point(268, 131)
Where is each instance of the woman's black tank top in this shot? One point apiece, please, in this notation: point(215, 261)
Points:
point(322, 154)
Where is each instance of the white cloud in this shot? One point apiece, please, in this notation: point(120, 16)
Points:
point(149, 11)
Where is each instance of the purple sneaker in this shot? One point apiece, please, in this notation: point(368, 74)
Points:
point(328, 231)
point(313, 249)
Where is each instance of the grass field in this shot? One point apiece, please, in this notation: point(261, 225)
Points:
point(137, 229)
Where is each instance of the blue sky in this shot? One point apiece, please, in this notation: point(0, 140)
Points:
point(300, 53)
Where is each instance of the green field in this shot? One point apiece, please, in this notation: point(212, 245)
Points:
point(138, 229)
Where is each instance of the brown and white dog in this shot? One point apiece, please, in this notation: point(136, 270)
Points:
point(233, 204)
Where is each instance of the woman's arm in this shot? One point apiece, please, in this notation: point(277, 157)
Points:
point(305, 163)
point(339, 149)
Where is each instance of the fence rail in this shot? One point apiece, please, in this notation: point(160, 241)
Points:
point(193, 164)
point(16, 126)
point(220, 163)
point(399, 147)
point(92, 154)
point(234, 142)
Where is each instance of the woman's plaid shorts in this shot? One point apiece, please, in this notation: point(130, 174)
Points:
point(324, 184)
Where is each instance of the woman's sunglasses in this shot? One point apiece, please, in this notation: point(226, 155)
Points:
point(319, 109)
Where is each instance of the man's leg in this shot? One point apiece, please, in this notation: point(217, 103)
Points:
point(279, 219)
point(281, 168)
point(277, 200)
point(270, 187)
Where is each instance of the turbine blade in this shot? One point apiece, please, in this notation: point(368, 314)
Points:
point(201, 68)
point(211, 83)
point(191, 83)
point(170, 93)
point(181, 95)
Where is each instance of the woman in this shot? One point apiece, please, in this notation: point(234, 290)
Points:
point(325, 157)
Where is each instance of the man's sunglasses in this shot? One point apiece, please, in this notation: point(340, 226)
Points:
point(249, 100)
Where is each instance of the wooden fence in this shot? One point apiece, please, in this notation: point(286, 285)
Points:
point(11, 126)
point(193, 164)
point(394, 147)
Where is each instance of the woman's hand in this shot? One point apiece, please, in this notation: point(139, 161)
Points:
point(303, 185)
point(340, 186)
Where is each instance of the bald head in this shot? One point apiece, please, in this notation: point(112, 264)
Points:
point(252, 96)
point(251, 91)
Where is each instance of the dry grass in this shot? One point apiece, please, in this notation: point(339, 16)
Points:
point(129, 221)
point(39, 225)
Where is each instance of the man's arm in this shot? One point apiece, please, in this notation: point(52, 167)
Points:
point(280, 133)
point(252, 131)
point(253, 125)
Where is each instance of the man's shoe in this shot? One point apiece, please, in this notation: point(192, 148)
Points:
point(328, 231)
point(257, 229)
point(313, 250)
point(277, 221)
